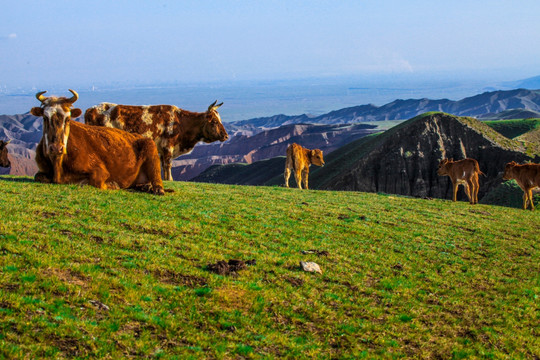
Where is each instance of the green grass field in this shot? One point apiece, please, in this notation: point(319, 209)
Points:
point(116, 274)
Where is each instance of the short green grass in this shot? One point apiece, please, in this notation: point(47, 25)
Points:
point(117, 274)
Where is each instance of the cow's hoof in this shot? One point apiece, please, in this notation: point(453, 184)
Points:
point(158, 191)
point(42, 178)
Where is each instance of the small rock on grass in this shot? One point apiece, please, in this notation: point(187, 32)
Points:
point(310, 266)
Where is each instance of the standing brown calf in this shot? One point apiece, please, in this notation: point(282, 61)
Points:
point(4, 160)
point(527, 176)
point(298, 159)
point(462, 172)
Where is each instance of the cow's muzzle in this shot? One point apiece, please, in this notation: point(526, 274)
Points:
point(55, 149)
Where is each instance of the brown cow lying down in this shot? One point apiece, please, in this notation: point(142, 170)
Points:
point(73, 153)
point(462, 172)
point(527, 176)
point(175, 131)
point(4, 160)
point(298, 159)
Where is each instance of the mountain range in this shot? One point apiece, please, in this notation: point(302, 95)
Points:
point(486, 103)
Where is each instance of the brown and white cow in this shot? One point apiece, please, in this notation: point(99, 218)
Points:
point(73, 153)
point(527, 176)
point(175, 131)
point(298, 159)
point(462, 172)
point(4, 160)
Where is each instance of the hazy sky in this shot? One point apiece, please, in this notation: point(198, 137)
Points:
point(46, 43)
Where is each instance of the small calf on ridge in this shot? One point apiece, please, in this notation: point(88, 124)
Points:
point(527, 176)
point(462, 172)
point(298, 159)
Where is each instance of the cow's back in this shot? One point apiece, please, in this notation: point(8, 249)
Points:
point(529, 174)
point(152, 121)
point(119, 151)
point(296, 156)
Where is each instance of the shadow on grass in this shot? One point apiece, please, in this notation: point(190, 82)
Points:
point(16, 179)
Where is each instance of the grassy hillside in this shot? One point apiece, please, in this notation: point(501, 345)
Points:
point(513, 128)
point(240, 173)
point(118, 274)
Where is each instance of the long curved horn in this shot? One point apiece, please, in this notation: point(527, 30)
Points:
point(74, 98)
point(40, 96)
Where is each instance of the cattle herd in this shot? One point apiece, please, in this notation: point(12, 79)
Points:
point(122, 146)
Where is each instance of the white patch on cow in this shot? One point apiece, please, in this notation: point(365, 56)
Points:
point(146, 116)
point(116, 124)
point(106, 109)
point(148, 134)
point(65, 143)
point(161, 128)
point(170, 128)
point(463, 176)
point(51, 110)
point(219, 117)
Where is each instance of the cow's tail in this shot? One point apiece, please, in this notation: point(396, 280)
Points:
point(477, 169)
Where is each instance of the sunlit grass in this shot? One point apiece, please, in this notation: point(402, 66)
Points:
point(118, 274)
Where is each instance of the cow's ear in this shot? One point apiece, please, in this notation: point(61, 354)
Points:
point(75, 113)
point(36, 111)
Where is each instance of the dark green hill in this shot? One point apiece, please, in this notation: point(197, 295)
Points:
point(514, 127)
point(256, 173)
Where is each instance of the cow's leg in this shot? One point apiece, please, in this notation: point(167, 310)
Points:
point(44, 175)
point(150, 167)
point(305, 175)
point(298, 178)
point(166, 163)
point(530, 196)
point(98, 177)
point(287, 175)
point(475, 188)
point(469, 190)
point(455, 186)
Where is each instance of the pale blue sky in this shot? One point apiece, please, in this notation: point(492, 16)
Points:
point(75, 43)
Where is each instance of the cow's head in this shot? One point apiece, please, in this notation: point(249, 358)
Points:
point(57, 113)
point(4, 160)
point(443, 166)
point(508, 170)
point(316, 157)
point(213, 129)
